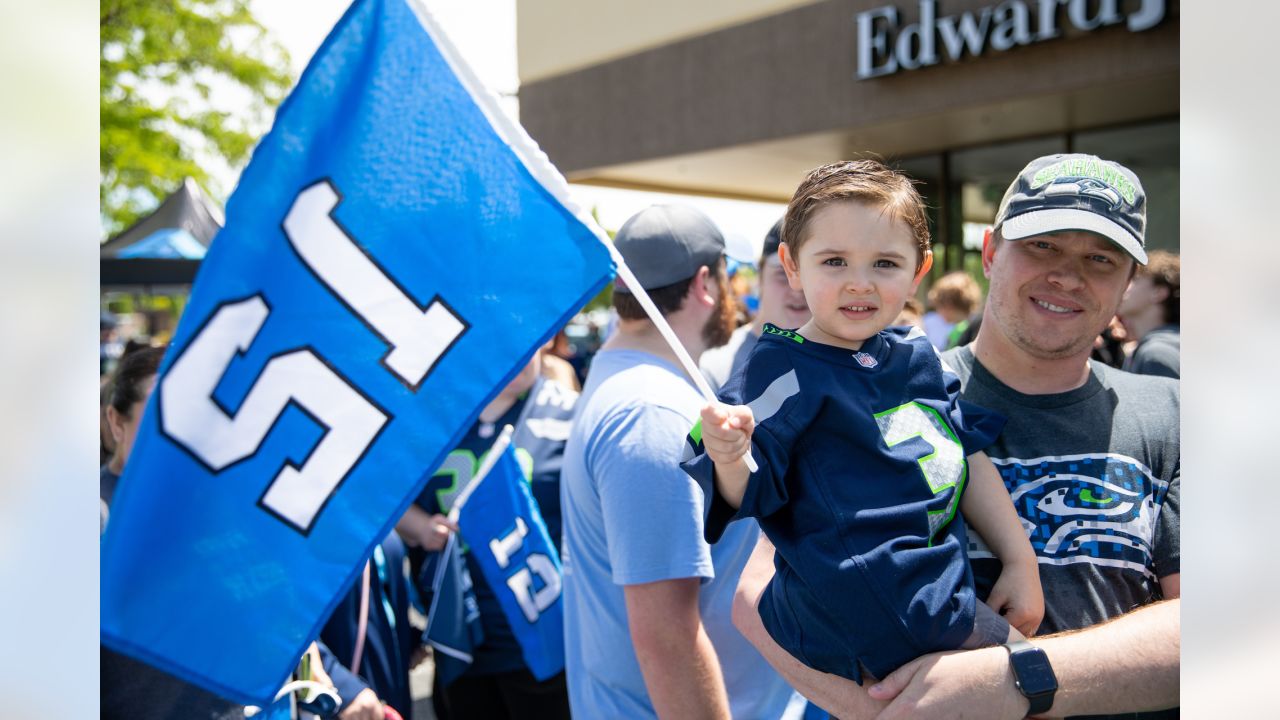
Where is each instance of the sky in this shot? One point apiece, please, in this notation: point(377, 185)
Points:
point(484, 31)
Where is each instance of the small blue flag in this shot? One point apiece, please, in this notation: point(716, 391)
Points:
point(394, 253)
point(508, 539)
point(453, 629)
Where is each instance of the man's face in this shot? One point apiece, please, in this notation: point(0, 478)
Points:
point(1051, 295)
point(780, 305)
point(724, 316)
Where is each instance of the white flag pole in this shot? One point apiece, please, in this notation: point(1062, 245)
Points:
point(499, 447)
point(669, 335)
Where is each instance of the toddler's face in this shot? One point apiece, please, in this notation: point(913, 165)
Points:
point(857, 267)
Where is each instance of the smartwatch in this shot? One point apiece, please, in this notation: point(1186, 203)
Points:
point(1032, 675)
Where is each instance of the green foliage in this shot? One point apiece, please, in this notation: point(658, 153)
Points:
point(163, 66)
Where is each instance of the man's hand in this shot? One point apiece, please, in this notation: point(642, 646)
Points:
point(365, 706)
point(1019, 597)
point(420, 529)
point(726, 431)
point(973, 684)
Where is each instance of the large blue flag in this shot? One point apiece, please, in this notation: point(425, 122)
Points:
point(508, 540)
point(395, 251)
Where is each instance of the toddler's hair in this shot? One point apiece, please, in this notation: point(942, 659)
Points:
point(866, 181)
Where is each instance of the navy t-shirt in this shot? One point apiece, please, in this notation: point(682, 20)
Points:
point(541, 419)
point(862, 465)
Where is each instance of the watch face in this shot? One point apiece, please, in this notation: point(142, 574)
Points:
point(1034, 673)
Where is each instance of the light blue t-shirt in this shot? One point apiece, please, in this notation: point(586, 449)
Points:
point(631, 515)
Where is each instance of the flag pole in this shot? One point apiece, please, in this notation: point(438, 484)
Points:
point(490, 458)
point(669, 335)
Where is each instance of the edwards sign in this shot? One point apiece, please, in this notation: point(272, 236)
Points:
point(884, 48)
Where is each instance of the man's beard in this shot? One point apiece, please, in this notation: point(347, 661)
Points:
point(720, 326)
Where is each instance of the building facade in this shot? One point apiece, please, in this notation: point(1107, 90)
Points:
point(740, 99)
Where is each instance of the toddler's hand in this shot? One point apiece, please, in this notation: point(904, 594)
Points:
point(726, 431)
point(1018, 596)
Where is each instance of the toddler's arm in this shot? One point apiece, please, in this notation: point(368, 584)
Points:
point(726, 435)
point(1017, 594)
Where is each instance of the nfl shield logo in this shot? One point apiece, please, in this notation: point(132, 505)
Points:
point(865, 360)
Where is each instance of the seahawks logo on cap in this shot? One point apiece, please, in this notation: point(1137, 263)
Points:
point(1084, 186)
point(1086, 176)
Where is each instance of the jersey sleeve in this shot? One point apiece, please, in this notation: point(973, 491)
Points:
point(652, 510)
point(770, 386)
point(1168, 548)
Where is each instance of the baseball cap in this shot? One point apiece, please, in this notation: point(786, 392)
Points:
point(772, 240)
point(664, 244)
point(1076, 192)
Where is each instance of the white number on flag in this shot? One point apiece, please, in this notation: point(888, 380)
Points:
point(417, 337)
point(218, 438)
point(532, 603)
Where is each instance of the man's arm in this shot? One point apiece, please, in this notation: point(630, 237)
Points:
point(839, 696)
point(1129, 664)
point(676, 657)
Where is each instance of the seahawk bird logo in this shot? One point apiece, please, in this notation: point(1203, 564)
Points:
point(1084, 186)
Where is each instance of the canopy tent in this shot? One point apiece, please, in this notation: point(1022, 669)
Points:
point(165, 247)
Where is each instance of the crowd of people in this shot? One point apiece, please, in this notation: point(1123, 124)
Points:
point(966, 512)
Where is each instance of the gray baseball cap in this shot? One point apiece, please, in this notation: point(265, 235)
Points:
point(1056, 193)
point(664, 244)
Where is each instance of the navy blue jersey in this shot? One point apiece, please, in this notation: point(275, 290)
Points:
point(862, 465)
point(541, 419)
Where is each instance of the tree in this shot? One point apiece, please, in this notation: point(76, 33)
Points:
point(169, 71)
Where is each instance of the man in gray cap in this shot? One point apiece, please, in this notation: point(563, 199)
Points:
point(647, 601)
point(1090, 455)
point(780, 305)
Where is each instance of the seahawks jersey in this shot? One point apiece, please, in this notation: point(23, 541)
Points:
point(541, 419)
point(862, 465)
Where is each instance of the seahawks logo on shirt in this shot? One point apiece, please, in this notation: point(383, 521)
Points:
point(1093, 508)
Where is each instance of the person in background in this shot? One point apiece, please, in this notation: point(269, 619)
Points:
point(647, 601)
point(130, 387)
point(1151, 311)
point(498, 684)
point(557, 361)
point(382, 659)
point(911, 315)
point(780, 306)
point(954, 298)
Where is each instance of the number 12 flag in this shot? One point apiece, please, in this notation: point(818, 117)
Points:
point(394, 252)
point(508, 539)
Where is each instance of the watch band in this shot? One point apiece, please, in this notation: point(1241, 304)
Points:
point(1020, 650)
